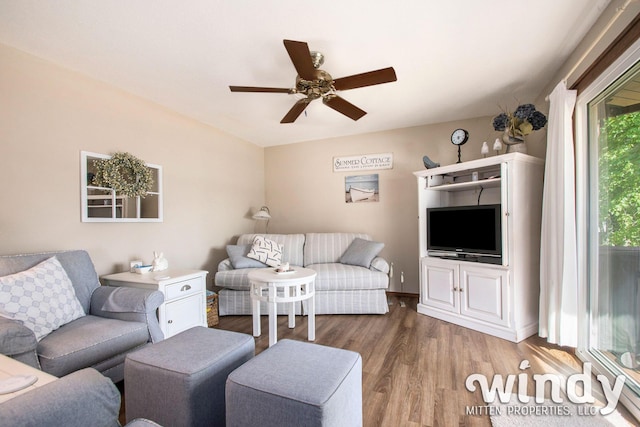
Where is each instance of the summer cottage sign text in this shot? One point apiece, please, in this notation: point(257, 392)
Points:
point(363, 162)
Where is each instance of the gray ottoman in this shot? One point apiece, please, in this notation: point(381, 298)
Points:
point(295, 383)
point(180, 381)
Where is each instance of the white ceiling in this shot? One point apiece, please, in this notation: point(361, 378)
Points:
point(454, 59)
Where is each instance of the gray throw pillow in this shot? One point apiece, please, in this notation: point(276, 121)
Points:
point(361, 252)
point(238, 257)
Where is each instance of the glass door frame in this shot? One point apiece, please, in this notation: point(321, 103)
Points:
point(586, 202)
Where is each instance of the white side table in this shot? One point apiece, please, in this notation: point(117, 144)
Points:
point(273, 288)
point(185, 293)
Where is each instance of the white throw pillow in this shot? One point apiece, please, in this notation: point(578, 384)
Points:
point(266, 251)
point(42, 298)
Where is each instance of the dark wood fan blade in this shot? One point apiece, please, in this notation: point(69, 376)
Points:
point(301, 58)
point(344, 107)
point(259, 89)
point(370, 78)
point(295, 111)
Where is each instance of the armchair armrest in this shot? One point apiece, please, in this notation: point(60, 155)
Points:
point(82, 398)
point(380, 264)
point(19, 342)
point(225, 265)
point(130, 304)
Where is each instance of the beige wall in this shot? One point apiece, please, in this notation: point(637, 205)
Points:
point(305, 195)
point(49, 114)
point(212, 181)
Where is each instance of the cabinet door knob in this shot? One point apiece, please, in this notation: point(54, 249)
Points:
point(170, 321)
point(185, 288)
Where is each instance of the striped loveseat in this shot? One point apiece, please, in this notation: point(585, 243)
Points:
point(340, 288)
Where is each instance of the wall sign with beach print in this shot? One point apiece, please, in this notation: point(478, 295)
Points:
point(361, 188)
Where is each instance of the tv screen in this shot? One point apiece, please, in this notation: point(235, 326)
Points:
point(465, 229)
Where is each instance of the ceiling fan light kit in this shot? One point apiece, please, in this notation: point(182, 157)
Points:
point(315, 83)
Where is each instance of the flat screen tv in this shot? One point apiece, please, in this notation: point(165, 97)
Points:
point(466, 230)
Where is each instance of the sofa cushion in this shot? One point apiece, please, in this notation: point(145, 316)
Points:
point(336, 276)
point(331, 276)
point(87, 341)
point(323, 248)
point(292, 245)
point(361, 252)
point(42, 297)
point(239, 259)
point(266, 251)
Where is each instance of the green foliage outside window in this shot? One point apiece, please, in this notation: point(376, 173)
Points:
point(619, 180)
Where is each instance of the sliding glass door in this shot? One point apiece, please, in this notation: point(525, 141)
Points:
point(608, 160)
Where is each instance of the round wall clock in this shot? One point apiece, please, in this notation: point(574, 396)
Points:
point(459, 137)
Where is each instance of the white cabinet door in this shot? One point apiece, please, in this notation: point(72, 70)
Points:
point(183, 314)
point(484, 294)
point(439, 285)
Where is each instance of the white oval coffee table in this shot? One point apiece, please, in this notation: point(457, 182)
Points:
point(273, 288)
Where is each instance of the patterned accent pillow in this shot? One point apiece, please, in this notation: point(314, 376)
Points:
point(42, 298)
point(266, 251)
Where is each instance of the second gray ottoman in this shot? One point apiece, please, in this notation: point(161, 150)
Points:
point(296, 383)
point(180, 381)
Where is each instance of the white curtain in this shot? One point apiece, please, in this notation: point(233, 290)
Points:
point(558, 252)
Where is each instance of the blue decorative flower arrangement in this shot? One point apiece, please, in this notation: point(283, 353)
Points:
point(521, 122)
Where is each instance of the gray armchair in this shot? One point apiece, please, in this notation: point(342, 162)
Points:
point(117, 321)
point(82, 398)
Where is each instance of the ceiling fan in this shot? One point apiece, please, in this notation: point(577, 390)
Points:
point(316, 83)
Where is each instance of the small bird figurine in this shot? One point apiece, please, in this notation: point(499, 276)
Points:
point(497, 146)
point(428, 163)
point(485, 149)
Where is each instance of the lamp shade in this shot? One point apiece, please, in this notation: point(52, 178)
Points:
point(263, 214)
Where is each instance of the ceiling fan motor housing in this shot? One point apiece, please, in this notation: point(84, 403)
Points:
point(314, 89)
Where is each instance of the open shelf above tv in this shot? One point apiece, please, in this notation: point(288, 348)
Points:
point(468, 185)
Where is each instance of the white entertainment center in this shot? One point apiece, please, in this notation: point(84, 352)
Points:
point(498, 297)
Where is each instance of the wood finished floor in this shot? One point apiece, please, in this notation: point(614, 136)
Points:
point(414, 366)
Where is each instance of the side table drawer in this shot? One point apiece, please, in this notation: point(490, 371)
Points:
point(184, 288)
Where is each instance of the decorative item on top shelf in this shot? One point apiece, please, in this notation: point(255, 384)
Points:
point(497, 146)
point(428, 163)
point(485, 149)
point(517, 125)
point(160, 263)
point(123, 172)
point(459, 137)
